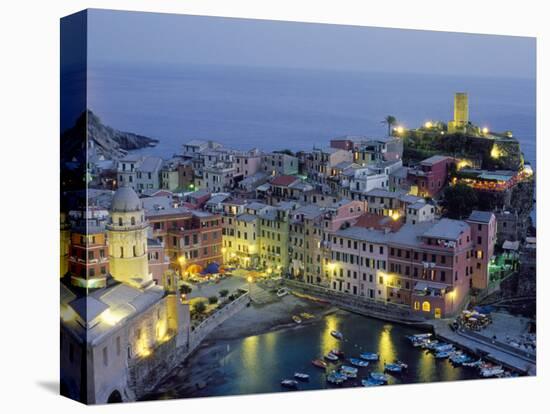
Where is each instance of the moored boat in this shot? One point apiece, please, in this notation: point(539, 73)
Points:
point(371, 382)
point(331, 357)
point(442, 354)
point(319, 363)
point(337, 352)
point(491, 371)
point(379, 376)
point(359, 362)
point(401, 364)
point(337, 334)
point(370, 356)
point(301, 376)
point(349, 372)
point(393, 368)
point(443, 347)
point(473, 364)
point(289, 383)
point(336, 378)
point(296, 319)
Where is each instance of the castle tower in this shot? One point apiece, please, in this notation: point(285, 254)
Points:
point(127, 232)
point(461, 109)
point(461, 113)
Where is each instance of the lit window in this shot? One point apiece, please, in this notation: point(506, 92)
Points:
point(426, 306)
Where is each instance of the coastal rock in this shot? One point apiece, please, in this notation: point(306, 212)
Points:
point(102, 139)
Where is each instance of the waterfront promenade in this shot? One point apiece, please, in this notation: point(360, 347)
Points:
point(482, 345)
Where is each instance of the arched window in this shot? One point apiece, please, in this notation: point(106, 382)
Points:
point(121, 251)
point(133, 221)
point(120, 221)
point(426, 306)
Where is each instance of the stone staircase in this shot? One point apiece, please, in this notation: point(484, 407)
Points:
point(261, 296)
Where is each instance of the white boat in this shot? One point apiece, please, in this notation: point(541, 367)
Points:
point(282, 292)
point(359, 362)
point(289, 383)
point(349, 372)
point(443, 347)
point(443, 354)
point(337, 334)
point(331, 357)
point(379, 376)
point(301, 376)
point(491, 372)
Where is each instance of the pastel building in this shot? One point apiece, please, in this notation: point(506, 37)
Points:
point(484, 237)
point(277, 163)
point(430, 176)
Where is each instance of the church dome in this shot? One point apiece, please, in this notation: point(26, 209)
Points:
point(125, 199)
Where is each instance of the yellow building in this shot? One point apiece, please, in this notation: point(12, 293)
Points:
point(461, 113)
point(64, 240)
point(127, 233)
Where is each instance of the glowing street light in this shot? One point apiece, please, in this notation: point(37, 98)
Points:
point(485, 130)
point(399, 129)
point(428, 125)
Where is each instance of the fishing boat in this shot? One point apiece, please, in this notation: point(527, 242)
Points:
point(393, 368)
point(491, 371)
point(369, 356)
point(319, 363)
point(301, 376)
point(337, 352)
point(289, 383)
point(460, 358)
point(359, 362)
point(331, 357)
point(296, 319)
point(379, 376)
point(337, 334)
point(430, 344)
point(401, 364)
point(371, 382)
point(349, 372)
point(443, 354)
point(418, 338)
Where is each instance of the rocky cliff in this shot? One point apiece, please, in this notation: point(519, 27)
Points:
point(102, 139)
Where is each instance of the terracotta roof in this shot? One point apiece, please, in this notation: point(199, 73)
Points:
point(284, 180)
point(378, 222)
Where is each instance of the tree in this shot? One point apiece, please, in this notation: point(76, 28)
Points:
point(284, 151)
point(224, 293)
point(390, 121)
point(199, 307)
point(459, 201)
point(213, 299)
point(185, 289)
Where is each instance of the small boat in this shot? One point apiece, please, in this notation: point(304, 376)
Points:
point(349, 372)
point(473, 364)
point(337, 334)
point(491, 371)
point(331, 357)
point(337, 352)
point(443, 347)
point(379, 376)
point(443, 354)
point(301, 376)
point(306, 315)
point(460, 358)
point(282, 292)
point(393, 368)
point(419, 337)
point(430, 344)
point(296, 319)
point(319, 363)
point(359, 362)
point(336, 378)
point(371, 382)
point(289, 383)
point(401, 364)
point(370, 356)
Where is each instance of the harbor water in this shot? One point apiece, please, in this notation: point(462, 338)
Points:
point(257, 364)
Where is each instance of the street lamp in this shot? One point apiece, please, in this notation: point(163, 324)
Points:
point(181, 261)
point(249, 280)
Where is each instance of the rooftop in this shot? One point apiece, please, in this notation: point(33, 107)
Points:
point(283, 180)
point(447, 229)
point(481, 216)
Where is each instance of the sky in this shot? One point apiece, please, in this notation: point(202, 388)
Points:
point(119, 37)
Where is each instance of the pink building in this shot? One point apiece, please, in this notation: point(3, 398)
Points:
point(430, 176)
point(159, 262)
point(484, 235)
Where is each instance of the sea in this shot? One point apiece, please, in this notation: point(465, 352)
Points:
point(247, 107)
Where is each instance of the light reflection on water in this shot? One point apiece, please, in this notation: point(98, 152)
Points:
point(257, 364)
